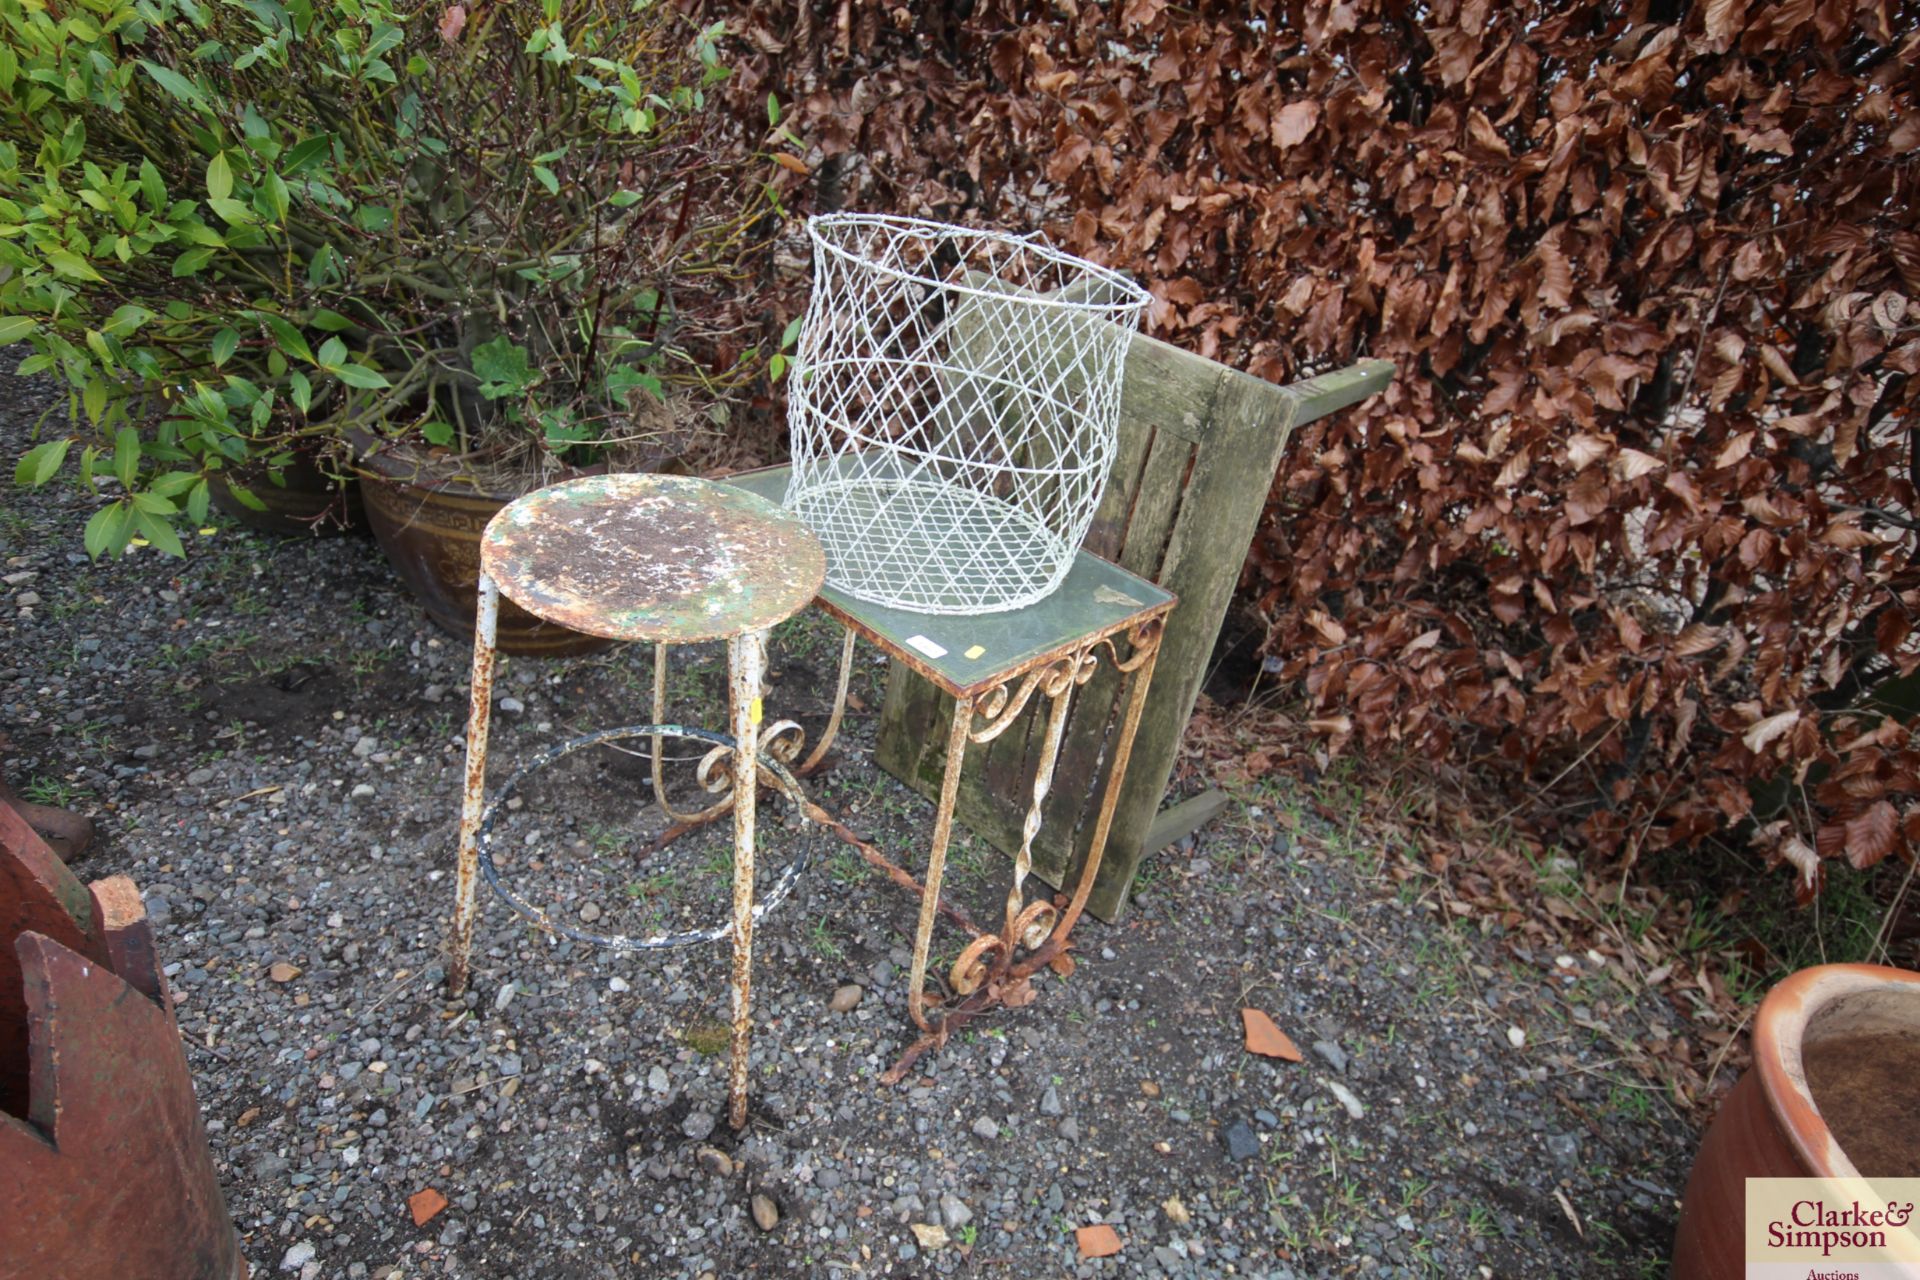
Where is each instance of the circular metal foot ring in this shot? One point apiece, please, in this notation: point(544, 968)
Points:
point(784, 782)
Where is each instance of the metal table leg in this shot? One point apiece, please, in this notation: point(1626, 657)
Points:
point(1028, 926)
point(473, 799)
point(746, 660)
point(988, 961)
point(937, 859)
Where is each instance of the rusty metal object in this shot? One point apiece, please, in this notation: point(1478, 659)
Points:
point(683, 821)
point(1060, 680)
point(746, 660)
point(103, 1155)
point(429, 527)
point(783, 740)
point(879, 862)
point(937, 860)
point(667, 559)
point(987, 971)
point(772, 773)
point(474, 791)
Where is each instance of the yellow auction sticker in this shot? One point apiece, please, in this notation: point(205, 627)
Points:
point(1822, 1228)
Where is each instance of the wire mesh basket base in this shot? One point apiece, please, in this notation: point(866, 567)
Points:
point(943, 548)
point(953, 410)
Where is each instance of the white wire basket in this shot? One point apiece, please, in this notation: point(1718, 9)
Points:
point(952, 409)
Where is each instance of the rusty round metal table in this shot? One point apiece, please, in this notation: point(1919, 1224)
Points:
point(663, 559)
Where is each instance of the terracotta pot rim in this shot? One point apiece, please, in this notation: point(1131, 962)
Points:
point(1778, 1028)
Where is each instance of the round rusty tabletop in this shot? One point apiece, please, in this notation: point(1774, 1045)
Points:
point(667, 559)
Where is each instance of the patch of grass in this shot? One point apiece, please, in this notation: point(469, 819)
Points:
point(1757, 933)
point(821, 939)
point(1634, 1105)
point(57, 792)
point(843, 865)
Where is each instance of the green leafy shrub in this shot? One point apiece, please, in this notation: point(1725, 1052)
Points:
point(234, 229)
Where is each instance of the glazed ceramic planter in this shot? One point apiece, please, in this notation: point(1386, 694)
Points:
point(306, 503)
point(429, 525)
point(1836, 1034)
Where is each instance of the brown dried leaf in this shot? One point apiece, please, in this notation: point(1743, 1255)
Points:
point(1872, 835)
point(1804, 860)
point(1514, 472)
point(1556, 272)
point(1763, 731)
point(1293, 122)
point(1631, 464)
point(1735, 449)
point(1584, 449)
point(1330, 630)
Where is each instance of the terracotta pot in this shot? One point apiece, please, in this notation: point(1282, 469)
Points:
point(1770, 1125)
point(307, 501)
point(102, 1151)
point(429, 525)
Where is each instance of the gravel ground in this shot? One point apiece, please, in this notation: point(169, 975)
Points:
point(269, 736)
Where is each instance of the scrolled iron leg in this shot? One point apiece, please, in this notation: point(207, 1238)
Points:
point(473, 799)
point(1140, 669)
point(746, 660)
point(832, 730)
point(937, 859)
point(1028, 927)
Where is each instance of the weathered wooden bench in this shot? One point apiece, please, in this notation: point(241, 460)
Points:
point(1198, 447)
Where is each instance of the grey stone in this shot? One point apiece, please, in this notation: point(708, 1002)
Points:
point(955, 1211)
point(985, 1128)
point(697, 1125)
point(1242, 1142)
point(1346, 1098)
point(1336, 1056)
